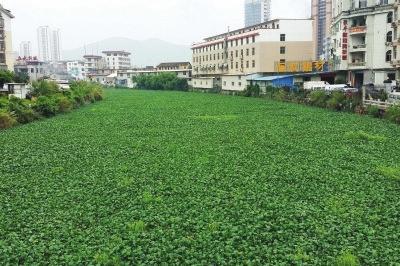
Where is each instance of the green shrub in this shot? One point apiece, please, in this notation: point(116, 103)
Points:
point(393, 114)
point(64, 104)
point(47, 106)
point(251, 91)
point(44, 88)
point(318, 98)
point(382, 95)
point(162, 81)
point(7, 120)
point(6, 77)
point(3, 102)
point(280, 95)
point(22, 110)
point(82, 92)
point(336, 101)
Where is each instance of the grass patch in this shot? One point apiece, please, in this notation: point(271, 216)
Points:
point(347, 259)
point(147, 181)
point(390, 172)
point(362, 135)
point(217, 117)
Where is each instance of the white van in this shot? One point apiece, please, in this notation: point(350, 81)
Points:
point(315, 85)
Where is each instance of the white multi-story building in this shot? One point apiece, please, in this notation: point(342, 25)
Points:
point(117, 59)
point(6, 51)
point(277, 46)
point(257, 11)
point(25, 49)
point(55, 45)
point(93, 63)
point(180, 69)
point(396, 38)
point(76, 70)
point(32, 67)
point(362, 37)
point(43, 35)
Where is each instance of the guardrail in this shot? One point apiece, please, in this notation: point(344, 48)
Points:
point(380, 104)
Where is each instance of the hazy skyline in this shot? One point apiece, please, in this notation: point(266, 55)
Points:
point(175, 21)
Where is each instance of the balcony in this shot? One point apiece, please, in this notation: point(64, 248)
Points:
point(358, 30)
point(358, 48)
point(357, 65)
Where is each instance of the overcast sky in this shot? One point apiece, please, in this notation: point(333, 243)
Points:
point(177, 21)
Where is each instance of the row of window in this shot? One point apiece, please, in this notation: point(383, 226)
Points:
point(231, 43)
point(218, 56)
point(233, 83)
point(236, 65)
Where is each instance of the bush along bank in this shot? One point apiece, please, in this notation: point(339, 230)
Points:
point(336, 101)
point(46, 100)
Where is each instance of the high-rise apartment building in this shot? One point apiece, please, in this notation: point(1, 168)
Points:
point(49, 44)
point(321, 13)
point(6, 51)
point(55, 48)
point(257, 11)
point(43, 34)
point(25, 49)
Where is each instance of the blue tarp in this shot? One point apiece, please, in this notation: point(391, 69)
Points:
point(277, 81)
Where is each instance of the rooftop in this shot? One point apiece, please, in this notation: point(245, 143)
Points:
point(92, 56)
point(271, 24)
point(172, 64)
point(116, 52)
point(6, 11)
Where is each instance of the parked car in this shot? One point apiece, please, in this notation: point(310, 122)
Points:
point(325, 86)
point(394, 97)
point(315, 85)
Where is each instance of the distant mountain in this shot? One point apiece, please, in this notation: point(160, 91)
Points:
point(149, 52)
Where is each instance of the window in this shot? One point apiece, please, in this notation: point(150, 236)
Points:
point(283, 38)
point(253, 51)
point(390, 17)
point(247, 40)
point(388, 56)
point(241, 52)
point(233, 83)
point(237, 42)
point(224, 83)
point(283, 50)
point(254, 63)
point(247, 64)
point(241, 41)
point(253, 39)
point(237, 65)
point(237, 53)
point(247, 52)
point(240, 84)
point(389, 36)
